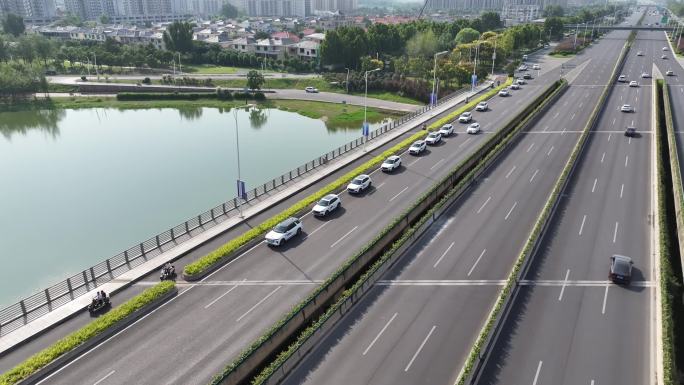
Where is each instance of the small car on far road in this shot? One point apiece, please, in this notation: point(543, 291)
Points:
point(504, 92)
point(359, 184)
point(620, 269)
point(522, 68)
point(622, 78)
point(633, 83)
point(626, 108)
point(520, 81)
point(630, 131)
point(515, 86)
point(326, 205)
point(664, 57)
point(645, 75)
point(536, 67)
point(669, 73)
point(390, 164)
point(417, 147)
point(284, 231)
point(311, 90)
point(665, 48)
point(482, 106)
point(447, 129)
point(473, 128)
point(433, 138)
point(640, 53)
point(527, 76)
point(465, 117)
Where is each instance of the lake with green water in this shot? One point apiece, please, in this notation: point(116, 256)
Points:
point(79, 186)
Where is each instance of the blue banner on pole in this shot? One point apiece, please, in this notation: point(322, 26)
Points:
point(365, 129)
point(433, 98)
point(241, 190)
point(474, 80)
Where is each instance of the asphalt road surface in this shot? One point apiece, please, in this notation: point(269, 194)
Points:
point(569, 324)
point(194, 335)
point(417, 325)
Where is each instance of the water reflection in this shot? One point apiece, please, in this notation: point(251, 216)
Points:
point(190, 113)
point(22, 121)
point(257, 117)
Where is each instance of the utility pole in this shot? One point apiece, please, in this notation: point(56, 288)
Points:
point(494, 55)
point(365, 109)
point(574, 44)
point(347, 82)
point(237, 151)
point(96, 73)
point(433, 97)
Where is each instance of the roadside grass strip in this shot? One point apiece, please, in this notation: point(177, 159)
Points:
point(221, 254)
point(479, 351)
point(670, 285)
point(407, 235)
point(41, 359)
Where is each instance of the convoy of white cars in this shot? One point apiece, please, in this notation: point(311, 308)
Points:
point(292, 226)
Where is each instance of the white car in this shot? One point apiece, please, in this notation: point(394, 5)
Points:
point(536, 67)
point(515, 86)
point(522, 68)
point(664, 57)
point(519, 81)
point(326, 205)
point(473, 128)
point(626, 108)
point(433, 138)
point(622, 78)
point(311, 90)
point(664, 48)
point(633, 83)
point(417, 147)
point(645, 75)
point(390, 164)
point(482, 106)
point(504, 92)
point(359, 184)
point(465, 117)
point(447, 130)
point(669, 73)
point(640, 53)
point(284, 231)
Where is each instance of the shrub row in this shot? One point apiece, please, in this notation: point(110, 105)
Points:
point(407, 235)
point(231, 246)
point(39, 360)
point(668, 282)
point(220, 94)
point(477, 350)
point(469, 106)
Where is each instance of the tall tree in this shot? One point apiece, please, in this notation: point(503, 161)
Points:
point(229, 11)
point(553, 26)
point(490, 21)
point(255, 80)
point(466, 35)
point(13, 24)
point(178, 37)
point(553, 11)
point(423, 44)
point(4, 49)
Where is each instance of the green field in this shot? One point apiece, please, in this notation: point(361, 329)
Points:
point(209, 69)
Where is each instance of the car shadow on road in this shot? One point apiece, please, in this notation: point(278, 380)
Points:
point(340, 211)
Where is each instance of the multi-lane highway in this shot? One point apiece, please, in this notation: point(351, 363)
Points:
point(419, 322)
point(194, 335)
point(569, 324)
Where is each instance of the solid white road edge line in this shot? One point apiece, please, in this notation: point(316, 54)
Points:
point(379, 334)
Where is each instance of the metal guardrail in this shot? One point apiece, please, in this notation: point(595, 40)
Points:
point(43, 302)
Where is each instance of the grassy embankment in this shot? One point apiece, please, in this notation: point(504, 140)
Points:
point(335, 115)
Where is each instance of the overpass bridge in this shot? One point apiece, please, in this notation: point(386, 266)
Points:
point(626, 27)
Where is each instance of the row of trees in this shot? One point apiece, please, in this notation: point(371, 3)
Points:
point(18, 80)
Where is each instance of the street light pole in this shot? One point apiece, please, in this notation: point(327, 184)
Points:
point(180, 67)
point(237, 151)
point(494, 54)
point(574, 45)
point(95, 60)
point(433, 98)
point(365, 107)
point(477, 54)
point(347, 82)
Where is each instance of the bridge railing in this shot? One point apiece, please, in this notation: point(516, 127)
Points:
point(40, 303)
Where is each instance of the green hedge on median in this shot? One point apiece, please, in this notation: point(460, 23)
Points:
point(309, 331)
point(231, 246)
point(39, 360)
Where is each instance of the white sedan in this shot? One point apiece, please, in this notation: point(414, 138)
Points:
point(473, 128)
point(633, 83)
point(504, 92)
point(626, 108)
point(482, 106)
point(447, 130)
point(465, 117)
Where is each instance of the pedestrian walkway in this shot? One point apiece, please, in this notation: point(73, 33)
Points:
point(74, 307)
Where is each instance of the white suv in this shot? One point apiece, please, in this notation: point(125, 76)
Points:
point(465, 117)
point(482, 106)
point(417, 147)
point(326, 205)
point(447, 130)
point(284, 231)
point(622, 78)
point(433, 138)
point(390, 164)
point(359, 184)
